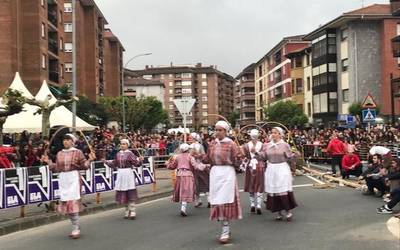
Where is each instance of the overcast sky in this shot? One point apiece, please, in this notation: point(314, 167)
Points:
point(228, 33)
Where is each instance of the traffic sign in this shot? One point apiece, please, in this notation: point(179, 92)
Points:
point(369, 115)
point(184, 105)
point(369, 102)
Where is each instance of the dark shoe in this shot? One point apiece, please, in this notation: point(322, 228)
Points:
point(183, 213)
point(259, 211)
point(252, 210)
point(198, 204)
point(208, 205)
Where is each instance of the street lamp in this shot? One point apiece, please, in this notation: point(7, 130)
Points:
point(123, 88)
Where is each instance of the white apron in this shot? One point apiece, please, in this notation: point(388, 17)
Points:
point(125, 180)
point(70, 186)
point(222, 185)
point(278, 178)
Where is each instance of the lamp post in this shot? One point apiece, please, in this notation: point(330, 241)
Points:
point(123, 88)
point(74, 65)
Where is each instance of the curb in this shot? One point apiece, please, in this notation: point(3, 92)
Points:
point(48, 218)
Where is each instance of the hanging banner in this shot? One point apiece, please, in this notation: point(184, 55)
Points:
point(103, 176)
point(39, 184)
point(148, 171)
point(1, 188)
point(15, 182)
point(55, 188)
point(87, 179)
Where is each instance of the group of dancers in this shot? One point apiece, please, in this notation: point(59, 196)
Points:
point(210, 173)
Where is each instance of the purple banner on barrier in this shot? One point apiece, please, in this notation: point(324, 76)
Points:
point(55, 188)
point(87, 179)
point(1, 188)
point(103, 176)
point(148, 172)
point(15, 183)
point(39, 184)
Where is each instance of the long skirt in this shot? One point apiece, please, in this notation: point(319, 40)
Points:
point(125, 197)
point(230, 211)
point(184, 190)
point(70, 186)
point(125, 186)
point(278, 186)
point(254, 179)
point(202, 180)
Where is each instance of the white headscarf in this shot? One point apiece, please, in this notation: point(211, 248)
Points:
point(254, 134)
point(184, 147)
point(196, 137)
point(126, 141)
point(72, 137)
point(280, 130)
point(224, 125)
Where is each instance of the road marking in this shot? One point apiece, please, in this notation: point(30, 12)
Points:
point(153, 201)
point(393, 224)
point(314, 179)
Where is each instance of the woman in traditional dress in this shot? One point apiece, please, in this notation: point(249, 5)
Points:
point(125, 185)
point(223, 155)
point(185, 188)
point(254, 169)
point(202, 178)
point(68, 163)
point(278, 175)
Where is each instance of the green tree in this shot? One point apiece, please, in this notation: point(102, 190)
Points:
point(155, 113)
point(233, 117)
point(12, 103)
point(288, 113)
point(91, 112)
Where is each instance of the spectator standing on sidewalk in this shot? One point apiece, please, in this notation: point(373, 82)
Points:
point(337, 149)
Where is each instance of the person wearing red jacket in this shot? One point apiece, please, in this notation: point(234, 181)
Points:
point(337, 149)
point(351, 164)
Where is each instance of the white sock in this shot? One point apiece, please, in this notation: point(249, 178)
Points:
point(252, 200)
point(183, 206)
point(132, 207)
point(259, 199)
point(225, 228)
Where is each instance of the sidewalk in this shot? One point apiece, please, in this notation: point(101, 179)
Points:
point(10, 220)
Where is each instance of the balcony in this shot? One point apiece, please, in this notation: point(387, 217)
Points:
point(395, 5)
point(53, 46)
point(54, 76)
point(52, 17)
point(396, 46)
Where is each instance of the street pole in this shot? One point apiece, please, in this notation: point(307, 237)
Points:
point(74, 69)
point(123, 89)
point(184, 128)
point(392, 98)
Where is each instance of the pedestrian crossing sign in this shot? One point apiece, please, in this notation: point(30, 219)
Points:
point(369, 115)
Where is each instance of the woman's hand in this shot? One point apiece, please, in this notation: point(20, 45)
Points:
point(92, 156)
point(45, 159)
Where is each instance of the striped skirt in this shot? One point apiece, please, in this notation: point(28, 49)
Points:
point(254, 179)
point(231, 211)
point(279, 202)
point(69, 207)
point(184, 190)
point(125, 197)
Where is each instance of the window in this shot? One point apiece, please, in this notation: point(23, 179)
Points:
point(260, 85)
point(345, 95)
point(68, 27)
point(205, 113)
point(171, 84)
point(332, 67)
point(61, 17)
point(299, 62)
point(204, 84)
point(345, 64)
point(186, 75)
point(204, 98)
point(205, 121)
point(67, 7)
point(171, 91)
point(171, 99)
point(148, 77)
point(299, 85)
point(293, 87)
point(308, 83)
point(320, 103)
point(344, 33)
point(68, 47)
point(260, 71)
point(204, 76)
point(186, 91)
point(204, 91)
point(204, 106)
point(61, 44)
point(171, 106)
point(68, 67)
point(308, 59)
point(43, 30)
point(309, 109)
point(43, 61)
point(186, 83)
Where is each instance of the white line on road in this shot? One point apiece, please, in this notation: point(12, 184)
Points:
point(314, 179)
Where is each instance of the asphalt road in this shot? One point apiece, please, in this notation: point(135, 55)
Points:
point(339, 218)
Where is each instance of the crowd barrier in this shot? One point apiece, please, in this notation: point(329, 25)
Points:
point(32, 185)
point(318, 153)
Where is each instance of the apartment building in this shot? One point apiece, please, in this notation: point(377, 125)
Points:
point(245, 96)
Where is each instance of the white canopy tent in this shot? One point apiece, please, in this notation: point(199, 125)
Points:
point(26, 120)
